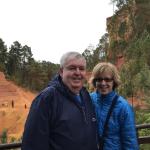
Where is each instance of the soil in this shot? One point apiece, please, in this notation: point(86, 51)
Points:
point(14, 106)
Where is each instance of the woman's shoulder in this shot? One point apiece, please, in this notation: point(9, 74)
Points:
point(93, 96)
point(122, 100)
point(123, 103)
point(93, 93)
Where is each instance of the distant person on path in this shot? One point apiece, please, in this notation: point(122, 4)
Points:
point(62, 116)
point(115, 116)
point(12, 103)
point(25, 106)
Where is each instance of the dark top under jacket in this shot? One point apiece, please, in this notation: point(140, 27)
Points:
point(57, 121)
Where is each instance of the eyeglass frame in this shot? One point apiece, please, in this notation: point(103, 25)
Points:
point(106, 79)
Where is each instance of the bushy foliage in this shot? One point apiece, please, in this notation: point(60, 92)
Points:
point(135, 73)
point(19, 65)
point(143, 117)
point(95, 55)
point(4, 137)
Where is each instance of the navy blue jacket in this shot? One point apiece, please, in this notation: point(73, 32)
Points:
point(57, 121)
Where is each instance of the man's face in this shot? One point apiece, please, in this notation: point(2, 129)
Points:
point(73, 74)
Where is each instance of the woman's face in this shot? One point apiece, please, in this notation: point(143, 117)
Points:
point(104, 83)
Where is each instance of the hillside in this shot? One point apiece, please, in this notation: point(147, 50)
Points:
point(128, 22)
point(14, 107)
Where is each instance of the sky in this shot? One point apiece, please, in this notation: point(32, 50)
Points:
point(53, 27)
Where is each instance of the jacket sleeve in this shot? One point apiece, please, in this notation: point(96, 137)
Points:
point(128, 129)
point(37, 128)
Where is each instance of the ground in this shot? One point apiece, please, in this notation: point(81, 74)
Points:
point(14, 106)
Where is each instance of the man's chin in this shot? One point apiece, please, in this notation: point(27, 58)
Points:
point(77, 84)
point(76, 89)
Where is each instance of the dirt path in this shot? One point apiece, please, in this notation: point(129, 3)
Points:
point(14, 107)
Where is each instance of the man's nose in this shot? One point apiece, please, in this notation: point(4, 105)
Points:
point(77, 70)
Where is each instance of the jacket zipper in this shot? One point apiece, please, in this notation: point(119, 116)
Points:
point(84, 114)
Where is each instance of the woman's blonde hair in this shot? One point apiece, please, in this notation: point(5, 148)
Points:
point(106, 67)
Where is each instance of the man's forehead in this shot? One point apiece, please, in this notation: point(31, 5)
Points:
point(76, 62)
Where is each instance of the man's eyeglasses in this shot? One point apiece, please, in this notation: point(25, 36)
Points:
point(101, 79)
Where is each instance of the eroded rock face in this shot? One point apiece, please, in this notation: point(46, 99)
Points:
point(128, 19)
point(125, 24)
point(14, 106)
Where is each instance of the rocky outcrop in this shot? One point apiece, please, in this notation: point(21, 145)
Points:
point(129, 21)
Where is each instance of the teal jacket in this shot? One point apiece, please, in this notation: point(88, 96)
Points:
point(121, 132)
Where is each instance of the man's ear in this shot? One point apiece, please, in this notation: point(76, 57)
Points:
point(60, 71)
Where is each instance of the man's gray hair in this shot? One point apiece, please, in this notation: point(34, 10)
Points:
point(69, 55)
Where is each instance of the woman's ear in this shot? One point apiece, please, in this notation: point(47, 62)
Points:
point(94, 82)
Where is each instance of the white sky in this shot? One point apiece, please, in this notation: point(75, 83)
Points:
point(52, 27)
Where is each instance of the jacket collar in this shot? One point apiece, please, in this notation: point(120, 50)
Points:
point(106, 98)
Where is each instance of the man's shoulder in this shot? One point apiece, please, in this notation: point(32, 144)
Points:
point(46, 94)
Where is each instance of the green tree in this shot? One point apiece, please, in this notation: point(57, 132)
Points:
point(14, 59)
point(103, 46)
point(135, 72)
point(3, 55)
point(120, 3)
point(4, 137)
point(26, 56)
point(88, 54)
point(93, 56)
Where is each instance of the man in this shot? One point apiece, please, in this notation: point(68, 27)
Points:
point(61, 116)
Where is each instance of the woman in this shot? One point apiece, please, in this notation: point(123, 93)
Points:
point(118, 132)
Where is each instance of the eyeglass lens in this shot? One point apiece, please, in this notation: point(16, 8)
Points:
point(105, 79)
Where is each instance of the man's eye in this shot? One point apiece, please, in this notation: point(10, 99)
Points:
point(82, 68)
point(71, 68)
point(76, 68)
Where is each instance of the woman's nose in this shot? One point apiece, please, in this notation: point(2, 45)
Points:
point(103, 82)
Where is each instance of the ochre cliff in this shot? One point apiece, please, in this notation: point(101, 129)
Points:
point(130, 21)
point(14, 106)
